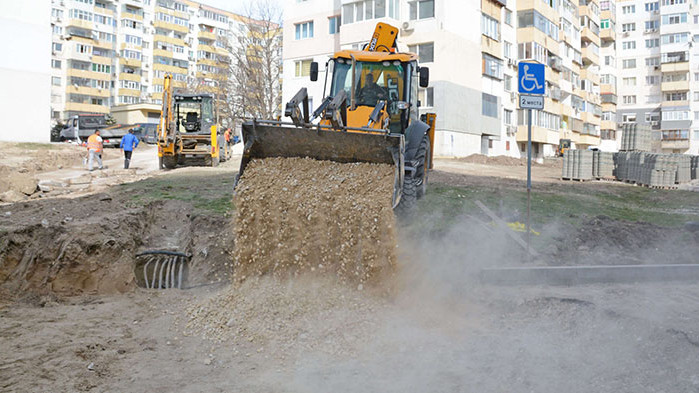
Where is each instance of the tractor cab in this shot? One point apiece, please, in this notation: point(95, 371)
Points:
point(194, 113)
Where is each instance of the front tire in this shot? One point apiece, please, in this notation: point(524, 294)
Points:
point(415, 185)
point(170, 162)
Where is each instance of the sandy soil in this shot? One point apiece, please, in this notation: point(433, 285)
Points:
point(73, 319)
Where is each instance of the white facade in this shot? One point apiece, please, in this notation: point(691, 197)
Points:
point(25, 70)
point(450, 29)
point(662, 88)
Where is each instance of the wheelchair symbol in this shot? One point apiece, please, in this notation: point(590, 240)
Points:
point(533, 82)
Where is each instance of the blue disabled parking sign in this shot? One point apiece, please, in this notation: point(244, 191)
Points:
point(531, 78)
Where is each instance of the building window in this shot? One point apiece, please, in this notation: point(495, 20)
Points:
point(628, 63)
point(303, 67)
point(80, 14)
point(674, 135)
point(103, 68)
point(631, 81)
point(507, 114)
point(652, 61)
point(652, 6)
point(628, 9)
point(653, 43)
point(507, 49)
point(490, 27)
point(675, 115)
point(534, 18)
point(56, 80)
point(629, 117)
point(81, 48)
point(490, 105)
point(421, 9)
point(674, 19)
point(629, 99)
point(56, 13)
point(652, 25)
point(304, 30)
point(492, 66)
point(604, 24)
point(334, 24)
point(627, 45)
point(57, 47)
point(652, 80)
point(55, 63)
point(674, 38)
point(628, 27)
point(57, 29)
point(426, 97)
point(676, 96)
point(508, 17)
point(696, 96)
point(508, 83)
point(425, 52)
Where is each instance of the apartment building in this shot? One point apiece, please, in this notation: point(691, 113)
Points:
point(660, 71)
point(25, 73)
point(610, 139)
point(470, 94)
point(116, 52)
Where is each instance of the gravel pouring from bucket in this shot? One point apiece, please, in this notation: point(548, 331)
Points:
point(265, 139)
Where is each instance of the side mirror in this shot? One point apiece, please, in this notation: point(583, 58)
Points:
point(424, 76)
point(314, 71)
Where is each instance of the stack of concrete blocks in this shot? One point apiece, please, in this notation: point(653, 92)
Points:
point(577, 165)
point(602, 165)
point(635, 137)
point(684, 168)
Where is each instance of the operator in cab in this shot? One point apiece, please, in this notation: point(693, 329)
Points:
point(371, 93)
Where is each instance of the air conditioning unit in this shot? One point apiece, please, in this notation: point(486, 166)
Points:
point(656, 12)
point(511, 130)
point(512, 62)
point(654, 123)
point(408, 26)
point(146, 65)
point(656, 68)
point(625, 34)
point(58, 20)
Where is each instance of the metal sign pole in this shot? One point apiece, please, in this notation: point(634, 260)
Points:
point(529, 178)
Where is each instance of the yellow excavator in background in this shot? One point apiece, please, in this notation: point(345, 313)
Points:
point(369, 115)
point(188, 130)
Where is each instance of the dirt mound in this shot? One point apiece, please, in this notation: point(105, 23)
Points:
point(88, 245)
point(298, 215)
point(287, 315)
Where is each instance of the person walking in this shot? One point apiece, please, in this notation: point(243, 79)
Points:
point(128, 143)
point(94, 150)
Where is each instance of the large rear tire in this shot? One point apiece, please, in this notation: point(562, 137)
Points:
point(214, 161)
point(415, 186)
point(170, 162)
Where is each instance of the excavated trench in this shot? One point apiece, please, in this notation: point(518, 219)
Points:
point(89, 245)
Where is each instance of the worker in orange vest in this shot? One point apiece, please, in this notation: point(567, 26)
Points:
point(94, 149)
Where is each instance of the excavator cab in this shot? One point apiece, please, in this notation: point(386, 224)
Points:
point(369, 114)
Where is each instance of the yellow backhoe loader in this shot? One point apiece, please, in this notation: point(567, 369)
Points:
point(188, 130)
point(370, 114)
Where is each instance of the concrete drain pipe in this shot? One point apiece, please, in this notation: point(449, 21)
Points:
point(161, 269)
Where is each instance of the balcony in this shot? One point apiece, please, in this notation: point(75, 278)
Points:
point(162, 53)
point(607, 35)
point(673, 104)
point(130, 92)
point(588, 35)
point(674, 144)
point(609, 98)
point(132, 16)
point(170, 26)
point(207, 35)
point(675, 86)
point(673, 67)
point(130, 77)
point(130, 62)
point(88, 91)
point(88, 74)
point(83, 24)
point(84, 107)
point(589, 56)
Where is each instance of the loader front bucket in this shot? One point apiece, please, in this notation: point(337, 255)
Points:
point(265, 139)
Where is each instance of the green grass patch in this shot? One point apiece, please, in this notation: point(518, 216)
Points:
point(207, 194)
point(660, 207)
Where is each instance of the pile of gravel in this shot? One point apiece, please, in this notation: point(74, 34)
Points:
point(299, 215)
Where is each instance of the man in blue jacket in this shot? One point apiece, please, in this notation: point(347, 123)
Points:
point(128, 143)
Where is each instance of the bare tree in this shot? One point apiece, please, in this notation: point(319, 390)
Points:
point(247, 81)
point(256, 62)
